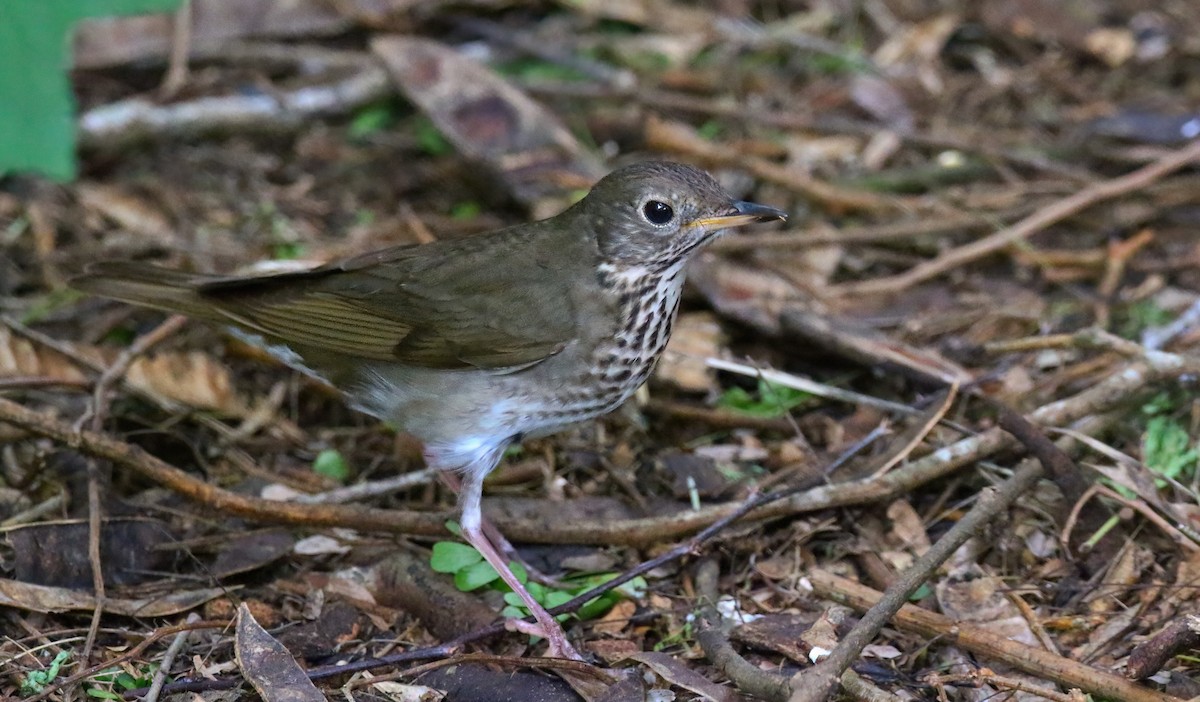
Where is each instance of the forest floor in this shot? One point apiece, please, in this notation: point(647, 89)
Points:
point(963, 373)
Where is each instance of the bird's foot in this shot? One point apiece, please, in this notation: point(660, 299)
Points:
point(555, 638)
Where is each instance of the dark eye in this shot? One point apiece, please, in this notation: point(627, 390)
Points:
point(657, 212)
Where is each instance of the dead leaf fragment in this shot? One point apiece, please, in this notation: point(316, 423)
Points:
point(40, 598)
point(616, 619)
point(676, 673)
point(490, 121)
point(268, 666)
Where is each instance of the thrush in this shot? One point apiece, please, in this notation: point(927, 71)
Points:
point(473, 344)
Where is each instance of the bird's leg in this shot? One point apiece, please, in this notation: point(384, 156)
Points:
point(510, 553)
point(472, 525)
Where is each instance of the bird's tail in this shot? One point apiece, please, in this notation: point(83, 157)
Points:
point(149, 286)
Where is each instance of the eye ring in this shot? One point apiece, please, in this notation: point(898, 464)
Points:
point(657, 212)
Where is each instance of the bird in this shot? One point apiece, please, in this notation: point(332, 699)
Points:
point(474, 344)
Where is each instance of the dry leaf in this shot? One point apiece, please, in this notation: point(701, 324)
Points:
point(190, 378)
point(616, 619)
point(697, 335)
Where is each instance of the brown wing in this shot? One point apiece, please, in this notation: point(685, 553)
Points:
point(454, 305)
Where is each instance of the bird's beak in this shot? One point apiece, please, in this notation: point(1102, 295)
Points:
point(740, 213)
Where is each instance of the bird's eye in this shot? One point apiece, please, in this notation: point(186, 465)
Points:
point(657, 212)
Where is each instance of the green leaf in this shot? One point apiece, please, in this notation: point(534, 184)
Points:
point(518, 570)
point(1138, 316)
point(287, 251)
point(1167, 449)
point(634, 589)
point(597, 606)
point(454, 528)
point(451, 557)
point(36, 680)
point(466, 210)
point(513, 599)
point(475, 576)
point(331, 464)
point(514, 612)
point(769, 400)
point(430, 139)
point(102, 694)
point(536, 590)
point(921, 593)
point(556, 597)
point(370, 120)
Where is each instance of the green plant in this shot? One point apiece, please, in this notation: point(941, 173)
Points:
point(430, 139)
point(1138, 316)
point(371, 120)
point(1167, 450)
point(768, 399)
point(331, 464)
point(471, 572)
point(683, 637)
point(466, 210)
point(105, 684)
point(36, 680)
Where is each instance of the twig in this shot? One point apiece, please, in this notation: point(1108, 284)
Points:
point(116, 372)
point(375, 488)
point(168, 660)
point(985, 676)
point(128, 655)
point(577, 667)
point(138, 119)
point(1155, 338)
point(795, 382)
point(95, 480)
point(979, 640)
point(817, 684)
point(1152, 654)
point(1039, 220)
point(1140, 506)
point(712, 633)
point(1113, 390)
point(916, 437)
point(135, 458)
point(721, 419)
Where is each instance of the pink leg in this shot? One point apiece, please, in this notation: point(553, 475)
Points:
point(506, 549)
point(547, 627)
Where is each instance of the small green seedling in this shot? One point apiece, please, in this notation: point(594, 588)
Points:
point(431, 141)
point(1167, 450)
point(331, 464)
point(471, 572)
point(36, 680)
point(110, 684)
point(769, 400)
point(371, 120)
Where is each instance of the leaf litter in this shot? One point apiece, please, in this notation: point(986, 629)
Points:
point(899, 139)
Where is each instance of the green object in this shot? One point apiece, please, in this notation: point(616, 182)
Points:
point(770, 400)
point(451, 557)
point(371, 120)
point(37, 121)
point(332, 465)
point(1167, 448)
point(475, 576)
point(36, 680)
